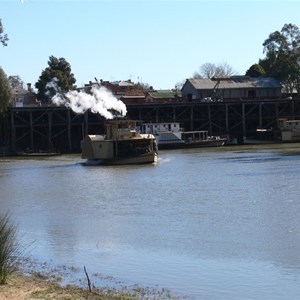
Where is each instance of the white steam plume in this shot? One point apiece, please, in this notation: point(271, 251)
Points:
point(52, 86)
point(100, 100)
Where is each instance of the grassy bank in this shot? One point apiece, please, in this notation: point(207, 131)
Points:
point(45, 287)
point(20, 287)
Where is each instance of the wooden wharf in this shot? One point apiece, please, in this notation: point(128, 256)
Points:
point(51, 128)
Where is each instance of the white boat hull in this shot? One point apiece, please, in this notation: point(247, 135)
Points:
point(182, 145)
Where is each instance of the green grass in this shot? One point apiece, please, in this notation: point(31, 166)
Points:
point(9, 248)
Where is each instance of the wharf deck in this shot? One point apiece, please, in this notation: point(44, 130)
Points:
point(59, 129)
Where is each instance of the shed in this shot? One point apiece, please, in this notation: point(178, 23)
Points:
point(231, 88)
point(163, 96)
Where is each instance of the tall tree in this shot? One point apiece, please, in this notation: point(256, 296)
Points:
point(3, 36)
point(210, 70)
point(57, 77)
point(282, 59)
point(5, 92)
point(256, 70)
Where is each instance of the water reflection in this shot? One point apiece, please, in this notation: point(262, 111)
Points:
point(211, 224)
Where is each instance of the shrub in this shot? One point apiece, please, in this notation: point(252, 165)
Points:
point(9, 248)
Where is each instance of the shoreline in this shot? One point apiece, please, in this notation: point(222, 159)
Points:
point(39, 281)
point(23, 287)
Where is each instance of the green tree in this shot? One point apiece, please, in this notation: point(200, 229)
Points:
point(5, 92)
point(256, 70)
point(57, 77)
point(3, 36)
point(282, 59)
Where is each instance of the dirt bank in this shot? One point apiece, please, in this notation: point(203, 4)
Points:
point(21, 287)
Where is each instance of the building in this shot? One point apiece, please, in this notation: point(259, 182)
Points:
point(22, 97)
point(231, 88)
point(163, 96)
point(118, 88)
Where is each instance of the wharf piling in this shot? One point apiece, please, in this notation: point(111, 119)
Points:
point(59, 129)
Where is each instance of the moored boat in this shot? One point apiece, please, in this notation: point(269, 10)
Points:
point(39, 153)
point(290, 130)
point(172, 136)
point(262, 136)
point(122, 144)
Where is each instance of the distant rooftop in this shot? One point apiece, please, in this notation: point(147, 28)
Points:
point(235, 82)
point(163, 94)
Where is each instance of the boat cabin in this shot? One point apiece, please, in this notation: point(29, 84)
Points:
point(156, 128)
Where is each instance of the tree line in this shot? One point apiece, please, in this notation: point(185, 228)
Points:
point(281, 61)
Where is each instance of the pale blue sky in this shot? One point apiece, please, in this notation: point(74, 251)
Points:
point(155, 42)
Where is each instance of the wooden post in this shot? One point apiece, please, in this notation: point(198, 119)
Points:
point(31, 131)
point(209, 119)
point(192, 117)
point(227, 120)
point(13, 132)
point(260, 115)
point(174, 114)
point(86, 123)
point(69, 130)
point(50, 146)
point(244, 121)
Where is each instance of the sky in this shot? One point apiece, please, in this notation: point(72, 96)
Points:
point(159, 42)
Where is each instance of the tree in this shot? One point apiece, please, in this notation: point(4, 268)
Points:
point(179, 85)
point(256, 70)
point(3, 37)
point(15, 81)
point(57, 77)
point(5, 92)
point(282, 59)
point(210, 70)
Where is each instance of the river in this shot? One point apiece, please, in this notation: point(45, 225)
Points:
point(218, 223)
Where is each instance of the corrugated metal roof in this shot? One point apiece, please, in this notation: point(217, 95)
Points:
point(164, 94)
point(235, 82)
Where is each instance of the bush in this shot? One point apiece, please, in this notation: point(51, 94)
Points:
point(9, 248)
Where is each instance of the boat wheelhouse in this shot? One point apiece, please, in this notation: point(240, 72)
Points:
point(122, 144)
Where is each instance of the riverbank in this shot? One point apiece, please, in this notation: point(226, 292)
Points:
point(21, 287)
point(42, 281)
